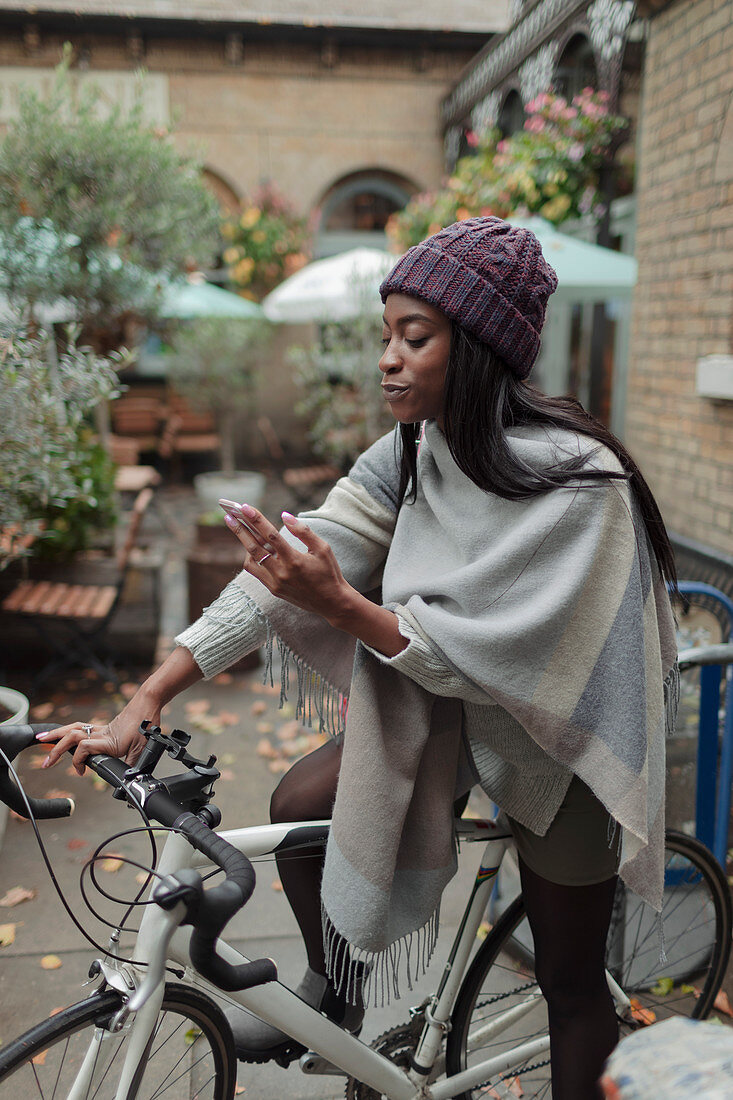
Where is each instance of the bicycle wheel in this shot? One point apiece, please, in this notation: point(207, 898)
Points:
point(499, 1005)
point(191, 1052)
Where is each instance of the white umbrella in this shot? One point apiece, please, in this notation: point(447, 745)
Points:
point(338, 288)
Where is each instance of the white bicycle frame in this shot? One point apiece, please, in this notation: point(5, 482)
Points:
point(162, 940)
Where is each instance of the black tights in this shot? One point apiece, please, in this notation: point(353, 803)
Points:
point(569, 925)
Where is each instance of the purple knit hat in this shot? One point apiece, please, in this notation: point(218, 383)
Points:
point(487, 275)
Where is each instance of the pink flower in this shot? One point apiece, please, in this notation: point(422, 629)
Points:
point(575, 152)
point(535, 125)
point(569, 113)
point(501, 146)
point(471, 139)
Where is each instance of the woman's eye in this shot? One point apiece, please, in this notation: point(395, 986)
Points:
point(417, 343)
point(385, 341)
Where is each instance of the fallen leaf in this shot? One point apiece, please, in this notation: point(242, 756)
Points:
point(191, 1036)
point(112, 862)
point(39, 1059)
point(207, 723)
point(279, 767)
point(7, 934)
point(264, 748)
point(228, 718)
point(197, 706)
point(287, 710)
point(15, 895)
point(51, 962)
point(227, 774)
point(56, 792)
point(483, 930)
point(290, 730)
point(227, 759)
point(55, 1011)
point(239, 1090)
point(223, 678)
point(258, 708)
point(277, 886)
point(76, 844)
point(663, 987)
point(644, 1016)
point(264, 689)
point(265, 727)
point(141, 878)
point(42, 711)
point(516, 1087)
point(722, 1003)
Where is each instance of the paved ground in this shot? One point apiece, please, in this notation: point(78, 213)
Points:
point(233, 717)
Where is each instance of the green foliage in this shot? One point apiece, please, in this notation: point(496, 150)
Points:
point(214, 363)
point(74, 525)
point(268, 242)
point(339, 380)
point(551, 168)
point(45, 462)
point(96, 205)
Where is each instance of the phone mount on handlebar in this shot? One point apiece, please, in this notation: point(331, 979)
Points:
point(157, 743)
point(192, 789)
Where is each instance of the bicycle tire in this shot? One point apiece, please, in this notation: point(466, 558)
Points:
point(192, 1042)
point(697, 925)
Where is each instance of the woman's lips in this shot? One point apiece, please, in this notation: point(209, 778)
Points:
point(393, 392)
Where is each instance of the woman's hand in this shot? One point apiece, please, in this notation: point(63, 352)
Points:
point(312, 580)
point(121, 737)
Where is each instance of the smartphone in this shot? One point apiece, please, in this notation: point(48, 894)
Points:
point(233, 509)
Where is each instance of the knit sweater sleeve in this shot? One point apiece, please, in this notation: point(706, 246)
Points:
point(421, 663)
point(229, 628)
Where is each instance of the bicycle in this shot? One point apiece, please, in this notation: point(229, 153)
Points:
point(139, 1035)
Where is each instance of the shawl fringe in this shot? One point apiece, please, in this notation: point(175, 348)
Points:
point(376, 975)
point(316, 696)
point(671, 698)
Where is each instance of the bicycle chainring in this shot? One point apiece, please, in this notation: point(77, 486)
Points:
point(398, 1044)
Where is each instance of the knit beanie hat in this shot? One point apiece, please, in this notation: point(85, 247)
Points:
point(487, 275)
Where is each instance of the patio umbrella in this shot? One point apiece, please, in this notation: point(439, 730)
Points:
point(337, 288)
point(585, 272)
point(197, 298)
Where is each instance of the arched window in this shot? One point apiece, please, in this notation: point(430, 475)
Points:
point(511, 116)
point(354, 211)
point(576, 68)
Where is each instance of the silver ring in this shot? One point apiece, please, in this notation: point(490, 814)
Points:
point(87, 729)
point(264, 559)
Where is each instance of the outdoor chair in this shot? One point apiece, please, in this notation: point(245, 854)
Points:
point(73, 618)
point(303, 481)
point(138, 419)
point(186, 431)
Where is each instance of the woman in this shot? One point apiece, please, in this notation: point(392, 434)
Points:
point(523, 639)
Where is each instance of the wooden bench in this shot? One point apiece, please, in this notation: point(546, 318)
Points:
point(82, 611)
point(138, 419)
point(186, 430)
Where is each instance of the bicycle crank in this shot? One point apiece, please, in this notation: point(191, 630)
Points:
point(398, 1044)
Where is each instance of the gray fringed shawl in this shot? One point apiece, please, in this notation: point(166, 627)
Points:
point(552, 607)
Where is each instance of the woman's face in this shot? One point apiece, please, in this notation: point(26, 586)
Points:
point(416, 339)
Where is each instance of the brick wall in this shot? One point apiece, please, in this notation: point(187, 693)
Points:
point(684, 245)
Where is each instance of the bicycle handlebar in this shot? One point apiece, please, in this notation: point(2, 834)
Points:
point(13, 739)
point(208, 910)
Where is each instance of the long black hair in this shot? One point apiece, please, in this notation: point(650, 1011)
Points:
point(483, 398)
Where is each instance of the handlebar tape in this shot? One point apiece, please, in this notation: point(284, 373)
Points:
point(217, 905)
point(13, 739)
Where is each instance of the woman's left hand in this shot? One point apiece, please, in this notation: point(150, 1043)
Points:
point(312, 580)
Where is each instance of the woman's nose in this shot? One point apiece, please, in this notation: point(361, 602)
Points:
point(389, 359)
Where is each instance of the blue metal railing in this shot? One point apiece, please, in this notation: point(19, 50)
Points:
point(714, 755)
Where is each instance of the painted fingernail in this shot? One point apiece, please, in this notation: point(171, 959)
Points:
point(46, 762)
point(231, 522)
point(40, 736)
point(248, 510)
point(288, 516)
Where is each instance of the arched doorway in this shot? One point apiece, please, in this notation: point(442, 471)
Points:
point(355, 209)
point(576, 68)
point(511, 116)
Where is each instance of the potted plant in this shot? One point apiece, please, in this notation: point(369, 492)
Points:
point(214, 365)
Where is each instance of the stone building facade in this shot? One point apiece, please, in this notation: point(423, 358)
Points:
point(680, 401)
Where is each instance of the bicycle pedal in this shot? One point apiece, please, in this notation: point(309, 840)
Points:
point(312, 1063)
